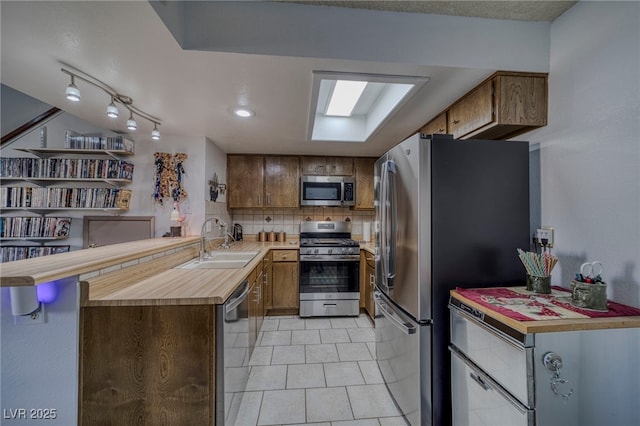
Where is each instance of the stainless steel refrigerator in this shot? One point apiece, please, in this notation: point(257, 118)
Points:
point(448, 213)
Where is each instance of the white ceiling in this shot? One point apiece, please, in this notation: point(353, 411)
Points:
point(127, 45)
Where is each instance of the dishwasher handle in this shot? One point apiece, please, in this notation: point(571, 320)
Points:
point(231, 305)
point(406, 327)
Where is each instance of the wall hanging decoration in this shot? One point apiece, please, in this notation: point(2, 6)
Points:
point(169, 171)
point(216, 188)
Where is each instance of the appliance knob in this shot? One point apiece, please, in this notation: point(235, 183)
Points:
point(315, 251)
point(330, 251)
point(344, 251)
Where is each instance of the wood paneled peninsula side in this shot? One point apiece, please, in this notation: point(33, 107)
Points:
point(147, 331)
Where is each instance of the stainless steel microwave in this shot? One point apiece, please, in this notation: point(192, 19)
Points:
point(327, 191)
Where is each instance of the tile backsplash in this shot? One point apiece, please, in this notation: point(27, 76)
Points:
point(286, 220)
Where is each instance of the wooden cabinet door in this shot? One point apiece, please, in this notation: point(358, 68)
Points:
point(364, 183)
point(282, 181)
point(285, 286)
point(327, 166)
point(473, 111)
point(135, 360)
point(339, 166)
point(268, 282)
point(437, 126)
point(521, 100)
point(313, 166)
point(369, 283)
point(245, 180)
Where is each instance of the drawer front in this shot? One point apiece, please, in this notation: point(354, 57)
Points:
point(285, 255)
point(508, 363)
point(477, 400)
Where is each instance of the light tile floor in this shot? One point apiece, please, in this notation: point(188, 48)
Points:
point(316, 371)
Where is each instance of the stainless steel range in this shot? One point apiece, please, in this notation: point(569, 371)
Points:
point(329, 270)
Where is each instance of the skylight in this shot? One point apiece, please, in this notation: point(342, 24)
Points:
point(344, 97)
point(353, 107)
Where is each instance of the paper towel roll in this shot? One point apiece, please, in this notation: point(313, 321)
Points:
point(366, 231)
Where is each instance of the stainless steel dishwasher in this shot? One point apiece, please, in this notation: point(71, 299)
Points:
point(232, 354)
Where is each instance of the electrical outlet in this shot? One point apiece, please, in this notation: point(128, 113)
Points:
point(545, 234)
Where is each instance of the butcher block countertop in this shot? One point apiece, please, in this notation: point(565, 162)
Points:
point(554, 324)
point(161, 284)
point(48, 268)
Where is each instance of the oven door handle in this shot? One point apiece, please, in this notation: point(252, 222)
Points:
point(330, 259)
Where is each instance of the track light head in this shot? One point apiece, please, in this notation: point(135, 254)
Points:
point(155, 133)
point(112, 110)
point(131, 122)
point(72, 92)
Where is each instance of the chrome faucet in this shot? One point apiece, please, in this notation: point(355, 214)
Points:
point(221, 225)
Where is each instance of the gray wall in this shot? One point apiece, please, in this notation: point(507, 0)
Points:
point(39, 362)
point(590, 150)
point(17, 109)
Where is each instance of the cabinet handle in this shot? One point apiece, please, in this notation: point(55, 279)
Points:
point(269, 199)
point(455, 121)
point(441, 130)
point(479, 381)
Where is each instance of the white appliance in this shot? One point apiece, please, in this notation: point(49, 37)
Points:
point(448, 213)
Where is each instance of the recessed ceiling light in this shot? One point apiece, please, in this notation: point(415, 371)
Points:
point(243, 112)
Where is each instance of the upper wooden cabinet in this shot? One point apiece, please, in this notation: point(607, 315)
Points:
point(256, 181)
point(437, 126)
point(327, 166)
point(364, 183)
point(282, 182)
point(245, 180)
point(501, 107)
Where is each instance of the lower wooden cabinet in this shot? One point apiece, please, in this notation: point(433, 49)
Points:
point(368, 284)
point(148, 365)
point(267, 282)
point(285, 296)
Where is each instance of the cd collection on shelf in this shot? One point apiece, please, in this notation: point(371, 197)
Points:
point(60, 197)
point(65, 168)
point(74, 140)
point(34, 227)
point(11, 253)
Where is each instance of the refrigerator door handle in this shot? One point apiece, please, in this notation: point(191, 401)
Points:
point(388, 223)
point(392, 191)
point(406, 327)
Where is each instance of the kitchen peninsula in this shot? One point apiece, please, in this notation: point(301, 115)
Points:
point(147, 330)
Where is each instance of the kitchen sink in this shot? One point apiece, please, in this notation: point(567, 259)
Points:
point(221, 260)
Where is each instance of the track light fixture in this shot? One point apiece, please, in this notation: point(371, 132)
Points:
point(73, 94)
point(155, 133)
point(131, 122)
point(112, 110)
